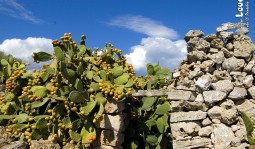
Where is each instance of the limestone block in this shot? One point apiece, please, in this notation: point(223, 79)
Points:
point(212, 97)
point(187, 105)
point(192, 34)
point(223, 85)
point(205, 131)
point(233, 64)
point(185, 129)
point(218, 58)
point(181, 95)
point(111, 122)
point(238, 93)
point(222, 136)
point(198, 44)
point(204, 82)
point(111, 138)
point(113, 106)
point(217, 43)
point(44, 144)
point(187, 116)
point(226, 112)
point(251, 92)
point(194, 143)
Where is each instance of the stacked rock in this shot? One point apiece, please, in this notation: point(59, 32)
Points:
point(211, 87)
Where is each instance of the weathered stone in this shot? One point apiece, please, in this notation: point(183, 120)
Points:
point(253, 70)
point(242, 31)
point(226, 35)
point(205, 131)
point(229, 26)
point(204, 82)
point(247, 106)
point(206, 122)
point(217, 43)
point(230, 46)
point(192, 34)
point(216, 121)
point(237, 93)
point(242, 146)
point(207, 66)
point(230, 113)
point(249, 66)
point(222, 136)
point(226, 112)
point(238, 77)
point(222, 75)
point(213, 50)
point(187, 105)
point(212, 97)
point(243, 49)
point(113, 106)
point(227, 53)
point(195, 73)
point(251, 92)
point(248, 81)
point(176, 74)
point(194, 143)
point(199, 44)
point(241, 133)
point(218, 58)
point(223, 85)
point(199, 98)
point(187, 116)
point(184, 129)
point(44, 144)
point(111, 138)
point(233, 64)
point(196, 56)
point(215, 112)
point(111, 122)
point(181, 95)
point(234, 128)
point(210, 37)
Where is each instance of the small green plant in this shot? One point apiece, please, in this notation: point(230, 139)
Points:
point(249, 127)
point(156, 76)
point(8, 65)
point(148, 122)
point(64, 99)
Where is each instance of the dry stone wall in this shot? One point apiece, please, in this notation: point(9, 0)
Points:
point(211, 87)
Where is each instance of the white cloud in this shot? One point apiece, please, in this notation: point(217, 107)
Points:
point(168, 53)
point(23, 48)
point(160, 46)
point(16, 10)
point(144, 25)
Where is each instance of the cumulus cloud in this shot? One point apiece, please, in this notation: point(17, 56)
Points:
point(16, 10)
point(160, 46)
point(144, 25)
point(168, 53)
point(23, 48)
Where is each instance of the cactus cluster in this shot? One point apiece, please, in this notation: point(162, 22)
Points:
point(8, 65)
point(63, 99)
point(148, 122)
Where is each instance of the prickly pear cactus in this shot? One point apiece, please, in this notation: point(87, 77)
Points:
point(65, 98)
point(8, 65)
point(148, 123)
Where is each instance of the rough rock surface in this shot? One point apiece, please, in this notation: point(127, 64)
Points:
point(219, 71)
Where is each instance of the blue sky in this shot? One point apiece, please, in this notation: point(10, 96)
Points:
point(146, 31)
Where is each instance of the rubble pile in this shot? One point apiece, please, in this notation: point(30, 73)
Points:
point(211, 87)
